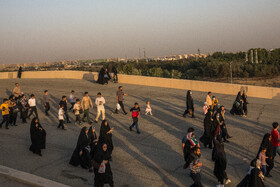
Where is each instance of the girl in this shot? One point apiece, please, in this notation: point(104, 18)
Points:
point(148, 108)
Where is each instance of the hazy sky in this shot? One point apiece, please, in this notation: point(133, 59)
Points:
point(51, 30)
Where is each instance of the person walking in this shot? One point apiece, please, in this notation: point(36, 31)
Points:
point(61, 117)
point(275, 139)
point(209, 100)
point(5, 113)
point(23, 108)
point(72, 99)
point(64, 103)
point(135, 111)
point(19, 72)
point(190, 105)
point(195, 167)
point(32, 106)
point(16, 91)
point(120, 99)
point(46, 99)
point(100, 101)
point(77, 110)
point(86, 104)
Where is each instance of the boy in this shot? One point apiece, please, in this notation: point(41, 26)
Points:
point(100, 101)
point(61, 117)
point(275, 139)
point(63, 103)
point(32, 105)
point(5, 113)
point(135, 116)
point(86, 104)
point(46, 102)
point(72, 100)
point(77, 107)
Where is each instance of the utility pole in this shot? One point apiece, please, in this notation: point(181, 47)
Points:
point(230, 66)
point(144, 53)
point(139, 53)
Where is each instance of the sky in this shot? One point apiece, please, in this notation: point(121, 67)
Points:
point(55, 30)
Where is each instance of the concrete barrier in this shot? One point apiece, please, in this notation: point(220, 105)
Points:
point(203, 86)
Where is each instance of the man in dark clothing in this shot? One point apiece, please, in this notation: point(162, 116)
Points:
point(46, 102)
point(135, 116)
point(115, 76)
point(195, 166)
point(120, 99)
point(63, 103)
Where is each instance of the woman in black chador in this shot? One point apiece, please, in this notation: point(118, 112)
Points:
point(189, 103)
point(81, 154)
point(105, 135)
point(38, 137)
point(237, 107)
point(224, 130)
point(19, 72)
point(266, 143)
point(101, 158)
point(220, 159)
point(206, 139)
point(93, 141)
point(103, 76)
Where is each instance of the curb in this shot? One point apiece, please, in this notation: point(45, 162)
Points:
point(27, 178)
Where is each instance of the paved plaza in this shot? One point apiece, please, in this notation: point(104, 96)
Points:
point(153, 158)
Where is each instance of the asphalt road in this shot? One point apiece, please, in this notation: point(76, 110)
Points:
point(153, 158)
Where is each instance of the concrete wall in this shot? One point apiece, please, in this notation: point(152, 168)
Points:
point(203, 86)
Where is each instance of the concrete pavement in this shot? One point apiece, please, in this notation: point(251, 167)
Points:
point(153, 158)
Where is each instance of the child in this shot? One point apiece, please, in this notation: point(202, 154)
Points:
point(72, 100)
point(5, 113)
point(77, 107)
point(135, 113)
point(262, 158)
point(205, 108)
point(61, 117)
point(148, 108)
point(275, 139)
point(214, 104)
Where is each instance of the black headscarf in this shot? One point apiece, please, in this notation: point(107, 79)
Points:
point(83, 140)
point(189, 100)
point(104, 129)
point(266, 143)
point(238, 97)
point(208, 122)
point(91, 135)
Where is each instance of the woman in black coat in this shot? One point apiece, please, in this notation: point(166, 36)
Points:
point(38, 137)
point(189, 104)
point(92, 141)
point(81, 154)
point(101, 178)
point(224, 130)
point(266, 143)
point(237, 107)
point(220, 161)
point(105, 135)
point(206, 139)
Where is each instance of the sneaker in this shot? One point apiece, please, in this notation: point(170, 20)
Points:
point(96, 121)
point(268, 175)
point(228, 181)
point(125, 113)
point(130, 128)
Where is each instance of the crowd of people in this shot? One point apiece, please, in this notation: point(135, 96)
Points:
point(216, 134)
point(94, 153)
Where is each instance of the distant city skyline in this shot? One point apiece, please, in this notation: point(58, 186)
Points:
point(49, 30)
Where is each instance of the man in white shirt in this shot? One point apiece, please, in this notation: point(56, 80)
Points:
point(32, 106)
point(208, 99)
point(100, 101)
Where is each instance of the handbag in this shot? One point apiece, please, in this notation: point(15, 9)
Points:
point(118, 106)
point(102, 168)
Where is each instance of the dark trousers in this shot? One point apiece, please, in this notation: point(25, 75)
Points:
point(122, 106)
point(61, 124)
point(86, 115)
point(196, 179)
point(24, 113)
point(66, 115)
point(270, 165)
point(135, 123)
point(33, 109)
point(245, 108)
point(72, 105)
point(188, 112)
point(47, 108)
point(13, 118)
point(5, 119)
point(78, 118)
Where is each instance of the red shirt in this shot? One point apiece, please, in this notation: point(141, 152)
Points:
point(274, 138)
